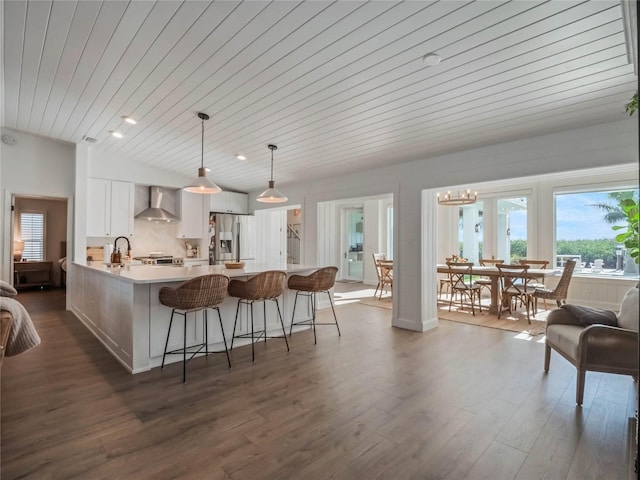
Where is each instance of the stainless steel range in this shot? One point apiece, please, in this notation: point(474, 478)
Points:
point(160, 260)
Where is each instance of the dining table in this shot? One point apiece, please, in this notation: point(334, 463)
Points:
point(494, 275)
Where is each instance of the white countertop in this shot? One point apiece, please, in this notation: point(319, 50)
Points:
point(169, 273)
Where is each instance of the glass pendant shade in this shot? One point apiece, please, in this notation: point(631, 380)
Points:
point(271, 194)
point(202, 184)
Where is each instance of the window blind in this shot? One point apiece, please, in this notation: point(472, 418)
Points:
point(32, 231)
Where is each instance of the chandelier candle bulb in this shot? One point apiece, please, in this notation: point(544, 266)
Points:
point(462, 198)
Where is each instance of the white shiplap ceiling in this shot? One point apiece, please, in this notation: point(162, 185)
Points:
point(338, 86)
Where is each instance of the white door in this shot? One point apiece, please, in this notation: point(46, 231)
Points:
point(271, 233)
point(353, 244)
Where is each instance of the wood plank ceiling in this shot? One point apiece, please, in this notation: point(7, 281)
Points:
point(338, 86)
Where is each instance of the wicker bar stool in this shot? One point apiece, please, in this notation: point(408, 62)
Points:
point(322, 280)
point(265, 286)
point(200, 293)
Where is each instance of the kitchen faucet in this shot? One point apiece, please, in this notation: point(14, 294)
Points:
point(115, 246)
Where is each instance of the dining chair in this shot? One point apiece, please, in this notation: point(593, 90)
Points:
point(461, 282)
point(542, 264)
point(485, 282)
point(514, 286)
point(386, 278)
point(559, 294)
point(376, 258)
point(444, 282)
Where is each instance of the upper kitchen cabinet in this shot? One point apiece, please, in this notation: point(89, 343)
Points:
point(194, 215)
point(110, 205)
point(229, 202)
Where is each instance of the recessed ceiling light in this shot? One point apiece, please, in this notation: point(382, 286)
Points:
point(129, 120)
point(207, 169)
point(239, 156)
point(431, 59)
point(117, 134)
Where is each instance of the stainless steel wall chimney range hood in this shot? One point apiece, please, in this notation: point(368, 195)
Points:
point(155, 212)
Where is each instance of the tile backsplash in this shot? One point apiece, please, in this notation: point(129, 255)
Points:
point(151, 237)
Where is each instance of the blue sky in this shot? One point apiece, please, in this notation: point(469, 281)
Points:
point(576, 219)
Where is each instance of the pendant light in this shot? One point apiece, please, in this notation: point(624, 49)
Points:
point(202, 184)
point(271, 195)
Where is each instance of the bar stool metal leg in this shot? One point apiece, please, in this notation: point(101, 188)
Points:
point(284, 333)
point(224, 338)
point(166, 343)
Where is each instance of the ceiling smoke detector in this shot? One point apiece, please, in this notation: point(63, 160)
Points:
point(431, 59)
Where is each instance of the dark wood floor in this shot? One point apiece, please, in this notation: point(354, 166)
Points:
point(460, 402)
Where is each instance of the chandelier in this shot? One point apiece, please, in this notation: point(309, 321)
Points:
point(464, 198)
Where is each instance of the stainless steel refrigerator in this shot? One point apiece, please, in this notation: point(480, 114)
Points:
point(232, 238)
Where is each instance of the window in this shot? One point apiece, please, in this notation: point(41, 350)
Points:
point(584, 232)
point(512, 229)
point(32, 231)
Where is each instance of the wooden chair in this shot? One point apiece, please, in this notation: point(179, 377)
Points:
point(542, 264)
point(320, 281)
point(198, 294)
point(264, 286)
point(376, 258)
point(458, 274)
point(485, 282)
point(444, 282)
point(559, 294)
point(514, 286)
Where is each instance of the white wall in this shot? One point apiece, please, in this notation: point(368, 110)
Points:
point(612, 143)
point(34, 166)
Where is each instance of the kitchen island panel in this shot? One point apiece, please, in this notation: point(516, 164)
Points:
point(124, 312)
point(104, 305)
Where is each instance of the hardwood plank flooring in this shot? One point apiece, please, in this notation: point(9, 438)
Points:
point(459, 402)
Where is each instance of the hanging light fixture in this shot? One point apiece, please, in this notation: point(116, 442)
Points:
point(464, 198)
point(202, 184)
point(271, 195)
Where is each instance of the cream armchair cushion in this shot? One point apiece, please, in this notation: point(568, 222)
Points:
point(598, 348)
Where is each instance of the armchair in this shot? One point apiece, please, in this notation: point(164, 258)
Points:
point(594, 346)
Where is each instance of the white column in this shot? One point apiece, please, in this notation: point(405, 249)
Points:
point(429, 254)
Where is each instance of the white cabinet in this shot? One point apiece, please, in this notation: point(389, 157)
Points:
point(110, 205)
point(229, 202)
point(193, 215)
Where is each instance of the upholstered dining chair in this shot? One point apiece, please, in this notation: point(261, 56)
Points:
point(461, 282)
point(559, 294)
point(514, 286)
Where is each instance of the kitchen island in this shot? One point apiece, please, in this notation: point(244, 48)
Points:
point(121, 307)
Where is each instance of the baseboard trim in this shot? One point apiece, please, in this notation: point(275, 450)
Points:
point(416, 326)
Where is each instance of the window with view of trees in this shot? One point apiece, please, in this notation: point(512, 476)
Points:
point(32, 232)
point(584, 222)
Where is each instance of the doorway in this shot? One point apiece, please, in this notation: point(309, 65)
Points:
point(353, 243)
point(39, 242)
